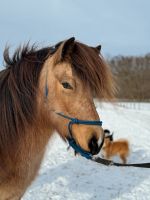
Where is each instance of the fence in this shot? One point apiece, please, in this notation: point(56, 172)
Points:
point(136, 105)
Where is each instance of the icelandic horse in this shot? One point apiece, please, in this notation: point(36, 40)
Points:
point(35, 84)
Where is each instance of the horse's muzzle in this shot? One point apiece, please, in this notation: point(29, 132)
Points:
point(93, 146)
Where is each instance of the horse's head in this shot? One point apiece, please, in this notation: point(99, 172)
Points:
point(71, 77)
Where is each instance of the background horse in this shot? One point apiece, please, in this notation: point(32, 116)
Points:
point(34, 86)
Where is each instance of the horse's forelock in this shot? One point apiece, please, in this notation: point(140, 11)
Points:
point(89, 65)
point(92, 69)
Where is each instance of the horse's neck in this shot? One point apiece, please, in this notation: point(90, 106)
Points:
point(28, 152)
point(19, 174)
point(36, 139)
point(33, 147)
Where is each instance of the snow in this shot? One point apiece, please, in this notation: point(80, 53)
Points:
point(65, 177)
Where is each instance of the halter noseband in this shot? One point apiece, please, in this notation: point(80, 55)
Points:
point(72, 141)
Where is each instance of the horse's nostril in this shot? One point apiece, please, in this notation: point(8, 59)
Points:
point(93, 146)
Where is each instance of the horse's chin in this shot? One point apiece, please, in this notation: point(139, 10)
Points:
point(80, 146)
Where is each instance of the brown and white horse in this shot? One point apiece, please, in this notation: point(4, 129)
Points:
point(72, 74)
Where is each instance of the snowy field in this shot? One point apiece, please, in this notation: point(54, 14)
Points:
point(65, 177)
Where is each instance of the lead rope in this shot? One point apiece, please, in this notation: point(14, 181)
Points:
point(111, 163)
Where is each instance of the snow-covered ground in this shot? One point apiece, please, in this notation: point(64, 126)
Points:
point(65, 177)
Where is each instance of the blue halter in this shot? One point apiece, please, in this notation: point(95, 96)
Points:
point(72, 141)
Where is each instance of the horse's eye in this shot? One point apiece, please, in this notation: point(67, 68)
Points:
point(66, 85)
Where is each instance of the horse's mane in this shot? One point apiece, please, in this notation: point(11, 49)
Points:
point(19, 83)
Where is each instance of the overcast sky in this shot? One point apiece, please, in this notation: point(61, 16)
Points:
point(121, 26)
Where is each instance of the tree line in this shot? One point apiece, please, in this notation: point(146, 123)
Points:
point(132, 75)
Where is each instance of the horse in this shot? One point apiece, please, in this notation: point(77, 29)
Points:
point(35, 85)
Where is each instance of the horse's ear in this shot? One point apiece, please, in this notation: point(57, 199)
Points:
point(98, 48)
point(67, 47)
point(64, 50)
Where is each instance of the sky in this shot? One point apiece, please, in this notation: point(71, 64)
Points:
point(122, 27)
